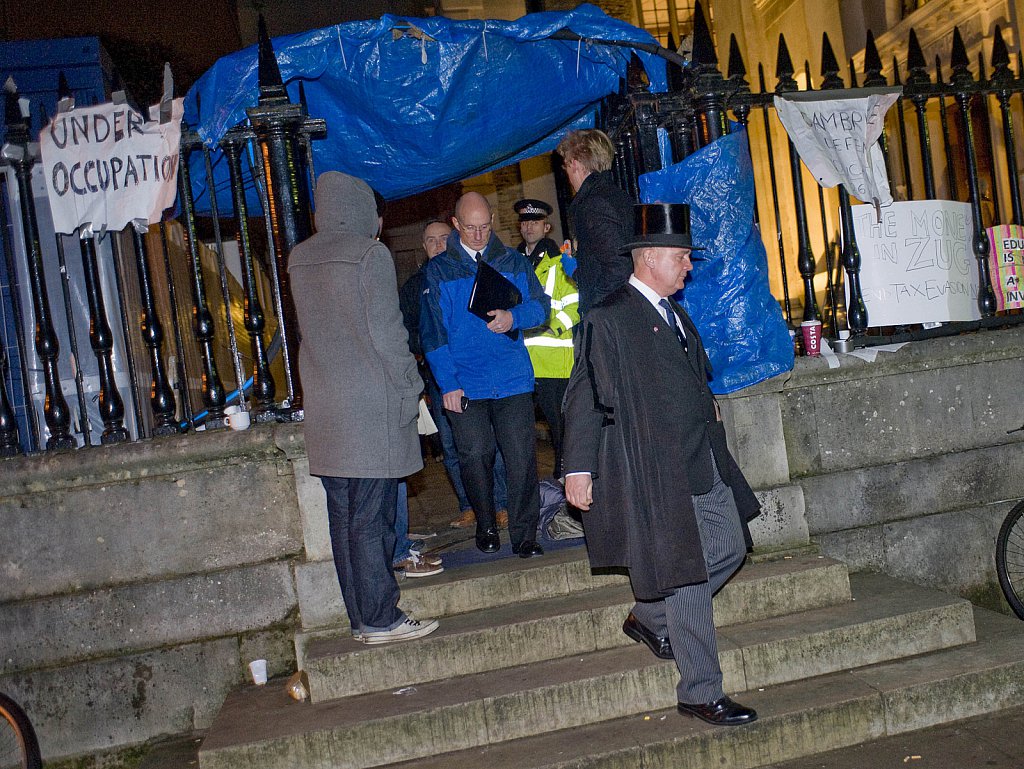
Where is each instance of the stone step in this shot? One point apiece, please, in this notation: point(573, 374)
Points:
point(886, 620)
point(517, 633)
point(478, 586)
point(797, 719)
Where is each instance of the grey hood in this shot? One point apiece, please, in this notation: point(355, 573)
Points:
point(345, 204)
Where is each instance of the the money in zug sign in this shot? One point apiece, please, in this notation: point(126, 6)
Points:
point(106, 166)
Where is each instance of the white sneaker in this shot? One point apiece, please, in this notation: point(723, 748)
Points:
point(419, 566)
point(411, 628)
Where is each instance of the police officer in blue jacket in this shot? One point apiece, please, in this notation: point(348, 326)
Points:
point(484, 375)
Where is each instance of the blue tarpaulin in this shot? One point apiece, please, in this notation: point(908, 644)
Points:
point(727, 295)
point(412, 112)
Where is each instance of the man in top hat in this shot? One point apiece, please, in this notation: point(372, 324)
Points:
point(646, 457)
point(534, 227)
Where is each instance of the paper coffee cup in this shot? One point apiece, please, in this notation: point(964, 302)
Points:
point(258, 668)
point(240, 420)
point(811, 330)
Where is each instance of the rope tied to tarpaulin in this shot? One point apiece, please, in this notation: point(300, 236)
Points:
point(341, 47)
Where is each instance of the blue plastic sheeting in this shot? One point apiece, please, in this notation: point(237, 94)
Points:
point(408, 115)
point(727, 296)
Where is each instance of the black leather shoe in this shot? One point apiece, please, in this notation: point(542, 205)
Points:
point(487, 541)
point(527, 549)
point(723, 712)
point(660, 646)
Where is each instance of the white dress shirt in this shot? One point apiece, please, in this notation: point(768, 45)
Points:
point(652, 296)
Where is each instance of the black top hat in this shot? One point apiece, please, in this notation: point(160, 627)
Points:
point(530, 209)
point(661, 224)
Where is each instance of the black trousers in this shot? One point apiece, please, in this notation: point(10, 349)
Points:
point(507, 423)
point(549, 395)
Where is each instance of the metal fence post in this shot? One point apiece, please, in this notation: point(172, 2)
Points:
point(9, 444)
point(965, 86)
point(279, 125)
point(22, 154)
point(918, 82)
point(709, 84)
point(1002, 79)
point(263, 387)
point(805, 259)
point(214, 395)
point(161, 397)
point(101, 339)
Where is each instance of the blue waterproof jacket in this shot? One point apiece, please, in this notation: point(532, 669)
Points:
point(462, 352)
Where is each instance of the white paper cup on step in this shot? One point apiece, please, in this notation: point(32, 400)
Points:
point(258, 668)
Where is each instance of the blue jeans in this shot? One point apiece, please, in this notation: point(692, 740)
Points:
point(451, 456)
point(361, 520)
point(403, 545)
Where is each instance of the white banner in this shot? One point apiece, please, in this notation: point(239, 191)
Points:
point(917, 265)
point(837, 138)
point(106, 166)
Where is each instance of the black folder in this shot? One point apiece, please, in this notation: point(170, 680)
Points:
point(493, 291)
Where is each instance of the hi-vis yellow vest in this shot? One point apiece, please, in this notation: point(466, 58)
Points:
point(551, 351)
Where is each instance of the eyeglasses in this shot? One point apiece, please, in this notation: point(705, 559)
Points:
point(475, 230)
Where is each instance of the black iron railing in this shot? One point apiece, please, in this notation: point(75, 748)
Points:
point(200, 359)
point(700, 101)
point(183, 362)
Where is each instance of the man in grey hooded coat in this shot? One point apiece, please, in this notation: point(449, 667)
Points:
point(361, 398)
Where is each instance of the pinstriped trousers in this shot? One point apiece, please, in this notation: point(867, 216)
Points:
point(686, 616)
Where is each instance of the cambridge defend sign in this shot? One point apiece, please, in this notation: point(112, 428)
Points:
point(836, 135)
point(106, 166)
point(917, 265)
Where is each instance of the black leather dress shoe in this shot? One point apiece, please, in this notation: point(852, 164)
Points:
point(527, 549)
point(723, 712)
point(487, 541)
point(660, 646)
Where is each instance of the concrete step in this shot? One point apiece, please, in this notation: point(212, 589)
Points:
point(886, 620)
point(797, 719)
point(573, 623)
point(479, 586)
point(801, 718)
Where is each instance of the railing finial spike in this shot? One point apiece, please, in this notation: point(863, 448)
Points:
point(269, 73)
point(915, 56)
point(896, 72)
point(1000, 54)
point(829, 65)
point(736, 66)
point(12, 109)
point(959, 56)
point(703, 45)
point(872, 63)
point(784, 67)
point(63, 88)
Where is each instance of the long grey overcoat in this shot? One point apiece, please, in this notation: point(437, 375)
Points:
point(359, 379)
point(640, 417)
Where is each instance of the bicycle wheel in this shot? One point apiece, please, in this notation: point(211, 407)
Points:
point(1010, 559)
point(19, 748)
